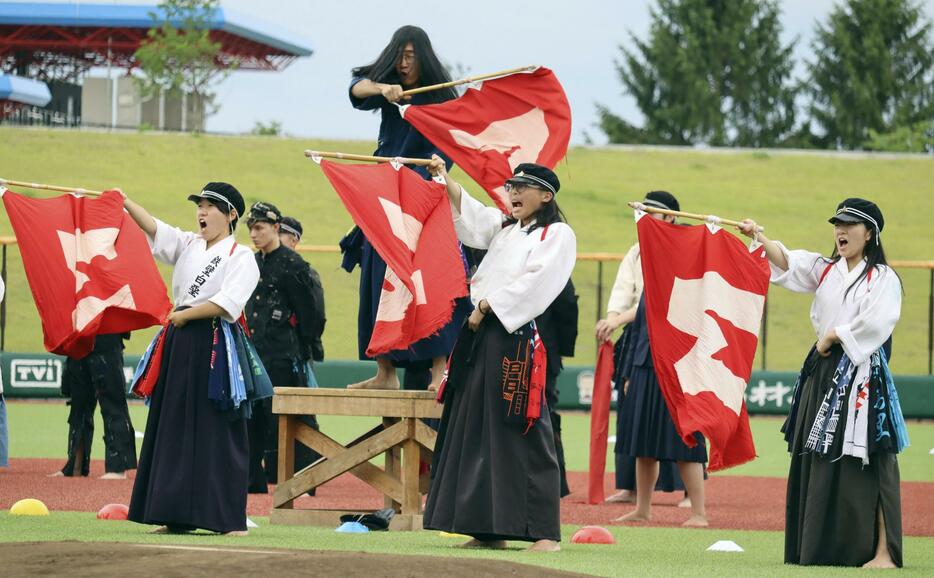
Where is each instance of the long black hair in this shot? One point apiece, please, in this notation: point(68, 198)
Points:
point(430, 69)
point(874, 255)
point(547, 214)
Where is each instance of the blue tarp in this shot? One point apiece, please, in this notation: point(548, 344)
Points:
point(24, 90)
point(82, 15)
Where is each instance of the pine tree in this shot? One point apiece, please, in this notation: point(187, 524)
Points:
point(873, 74)
point(711, 72)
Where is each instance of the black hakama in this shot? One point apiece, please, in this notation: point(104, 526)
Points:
point(669, 478)
point(489, 479)
point(648, 430)
point(831, 506)
point(193, 468)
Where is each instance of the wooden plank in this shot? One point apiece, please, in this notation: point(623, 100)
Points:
point(322, 517)
point(308, 401)
point(393, 467)
point(406, 523)
point(355, 393)
point(378, 407)
point(330, 469)
point(426, 436)
point(286, 465)
point(332, 519)
point(329, 448)
point(411, 497)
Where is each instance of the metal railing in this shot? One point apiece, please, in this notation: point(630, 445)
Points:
point(599, 258)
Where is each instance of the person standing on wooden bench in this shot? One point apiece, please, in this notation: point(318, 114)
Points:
point(407, 62)
point(286, 324)
point(495, 474)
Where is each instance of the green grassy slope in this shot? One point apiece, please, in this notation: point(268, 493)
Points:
point(792, 196)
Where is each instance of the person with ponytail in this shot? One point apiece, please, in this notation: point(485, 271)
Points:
point(845, 424)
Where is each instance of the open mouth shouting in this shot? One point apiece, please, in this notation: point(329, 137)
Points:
point(202, 224)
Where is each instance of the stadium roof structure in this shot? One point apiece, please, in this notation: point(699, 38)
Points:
point(79, 35)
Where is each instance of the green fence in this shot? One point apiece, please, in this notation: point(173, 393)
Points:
point(769, 392)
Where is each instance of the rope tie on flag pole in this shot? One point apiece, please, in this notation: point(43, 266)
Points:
point(473, 80)
point(57, 188)
point(318, 155)
point(712, 219)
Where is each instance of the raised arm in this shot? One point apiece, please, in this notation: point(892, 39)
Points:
point(142, 217)
point(775, 254)
point(366, 88)
point(439, 168)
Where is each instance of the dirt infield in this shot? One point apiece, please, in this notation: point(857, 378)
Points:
point(733, 502)
point(77, 559)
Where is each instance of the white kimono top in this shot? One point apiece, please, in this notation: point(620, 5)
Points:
point(864, 320)
point(226, 274)
point(523, 272)
point(627, 289)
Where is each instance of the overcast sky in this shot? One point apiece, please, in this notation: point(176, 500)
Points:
point(578, 39)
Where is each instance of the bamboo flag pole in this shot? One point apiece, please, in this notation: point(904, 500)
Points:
point(366, 158)
point(641, 207)
point(468, 80)
point(5, 182)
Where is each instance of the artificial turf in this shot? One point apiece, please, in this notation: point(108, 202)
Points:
point(40, 429)
point(638, 551)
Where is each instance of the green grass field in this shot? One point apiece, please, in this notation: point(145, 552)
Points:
point(638, 552)
point(39, 429)
point(792, 196)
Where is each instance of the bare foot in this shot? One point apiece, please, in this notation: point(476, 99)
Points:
point(237, 533)
point(114, 476)
point(880, 561)
point(622, 497)
point(544, 546)
point(685, 503)
point(696, 521)
point(633, 516)
point(491, 545)
point(58, 474)
point(372, 383)
point(169, 530)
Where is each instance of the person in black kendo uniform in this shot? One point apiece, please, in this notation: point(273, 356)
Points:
point(290, 234)
point(285, 326)
point(98, 378)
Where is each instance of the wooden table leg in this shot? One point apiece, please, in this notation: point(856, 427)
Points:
point(393, 467)
point(411, 497)
point(286, 451)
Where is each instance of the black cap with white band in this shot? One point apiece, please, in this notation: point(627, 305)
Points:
point(856, 210)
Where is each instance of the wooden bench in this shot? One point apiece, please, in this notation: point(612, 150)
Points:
point(402, 436)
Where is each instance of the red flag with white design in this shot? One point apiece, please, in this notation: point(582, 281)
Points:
point(408, 221)
point(704, 297)
point(499, 124)
point(89, 267)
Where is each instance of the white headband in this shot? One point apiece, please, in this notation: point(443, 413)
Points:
point(656, 204)
point(862, 215)
point(288, 229)
point(542, 182)
point(206, 194)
